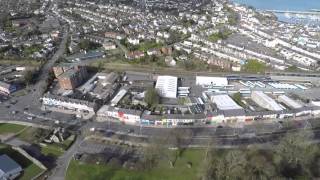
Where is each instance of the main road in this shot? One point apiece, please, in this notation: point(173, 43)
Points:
point(31, 100)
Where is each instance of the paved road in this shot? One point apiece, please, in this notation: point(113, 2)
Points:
point(59, 172)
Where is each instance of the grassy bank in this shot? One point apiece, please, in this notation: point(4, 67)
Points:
point(163, 171)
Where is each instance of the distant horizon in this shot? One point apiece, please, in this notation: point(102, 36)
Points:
point(293, 5)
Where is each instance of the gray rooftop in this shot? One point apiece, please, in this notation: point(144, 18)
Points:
point(7, 164)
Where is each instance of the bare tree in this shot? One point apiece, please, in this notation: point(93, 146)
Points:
point(179, 138)
point(294, 152)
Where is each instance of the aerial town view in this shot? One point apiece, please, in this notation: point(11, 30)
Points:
point(159, 89)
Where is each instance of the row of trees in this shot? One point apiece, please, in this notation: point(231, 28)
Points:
point(294, 157)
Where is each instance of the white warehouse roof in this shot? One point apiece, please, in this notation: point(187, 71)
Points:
point(167, 86)
point(118, 97)
point(265, 101)
point(289, 102)
point(225, 102)
point(216, 81)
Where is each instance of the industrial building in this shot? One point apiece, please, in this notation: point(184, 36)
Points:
point(167, 86)
point(118, 97)
point(101, 86)
point(265, 101)
point(211, 81)
point(225, 102)
point(289, 102)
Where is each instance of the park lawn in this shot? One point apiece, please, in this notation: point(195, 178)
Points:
point(68, 142)
point(27, 135)
point(33, 135)
point(30, 170)
point(78, 170)
point(52, 149)
point(10, 128)
point(254, 66)
point(57, 149)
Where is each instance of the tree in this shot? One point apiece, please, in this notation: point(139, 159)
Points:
point(88, 45)
point(237, 98)
point(254, 66)
point(230, 166)
point(28, 77)
point(153, 152)
point(258, 166)
point(100, 66)
point(206, 169)
point(179, 138)
point(152, 97)
point(293, 68)
point(294, 153)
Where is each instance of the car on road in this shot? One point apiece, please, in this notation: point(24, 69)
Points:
point(30, 118)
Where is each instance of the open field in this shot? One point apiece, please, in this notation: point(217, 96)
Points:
point(163, 171)
point(57, 149)
point(10, 128)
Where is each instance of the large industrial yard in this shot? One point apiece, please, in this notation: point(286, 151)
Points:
point(183, 100)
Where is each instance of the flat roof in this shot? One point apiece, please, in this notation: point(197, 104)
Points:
point(167, 86)
point(118, 97)
point(289, 102)
point(7, 164)
point(266, 99)
point(225, 102)
point(206, 80)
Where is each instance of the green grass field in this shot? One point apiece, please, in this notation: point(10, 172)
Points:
point(30, 170)
point(52, 149)
point(163, 171)
point(10, 128)
point(57, 149)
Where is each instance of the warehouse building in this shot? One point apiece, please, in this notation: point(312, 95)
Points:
point(289, 102)
point(117, 98)
point(214, 81)
point(265, 101)
point(225, 102)
point(167, 86)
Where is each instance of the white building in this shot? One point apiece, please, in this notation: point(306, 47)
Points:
point(129, 116)
point(289, 102)
point(109, 46)
point(167, 86)
point(118, 97)
point(64, 104)
point(225, 102)
point(265, 101)
point(215, 81)
point(133, 41)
